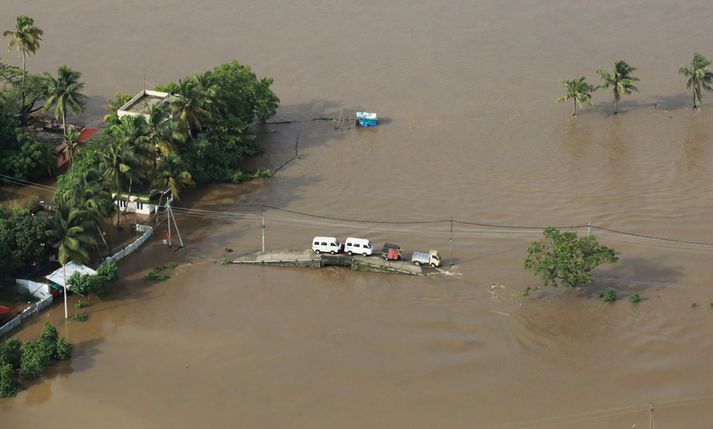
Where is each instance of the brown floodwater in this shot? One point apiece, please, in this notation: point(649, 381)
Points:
point(470, 130)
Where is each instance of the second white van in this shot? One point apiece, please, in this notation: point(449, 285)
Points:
point(326, 245)
point(358, 246)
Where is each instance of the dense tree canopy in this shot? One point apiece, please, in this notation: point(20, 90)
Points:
point(22, 241)
point(563, 258)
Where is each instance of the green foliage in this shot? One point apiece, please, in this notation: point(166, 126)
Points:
point(224, 261)
point(635, 298)
point(265, 174)
point(172, 265)
point(577, 90)
point(80, 304)
point(113, 105)
point(65, 92)
point(36, 356)
point(108, 272)
point(80, 317)
point(63, 349)
point(694, 305)
point(10, 353)
point(25, 157)
point(86, 284)
point(156, 276)
point(49, 333)
point(8, 381)
point(75, 228)
point(698, 77)
point(564, 258)
point(620, 81)
point(610, 296)
point(526, 292)
point(22, 239)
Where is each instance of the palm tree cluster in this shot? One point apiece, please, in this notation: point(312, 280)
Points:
point(621, 82)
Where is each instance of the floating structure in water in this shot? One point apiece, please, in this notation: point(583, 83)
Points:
point(366, 119)
point(309, 259)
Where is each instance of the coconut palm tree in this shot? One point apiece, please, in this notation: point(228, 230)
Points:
point(73, 231)
point(620, 81)
point(25, 39)
point(115, 161)
point(91, 196)
point(64, 92)
point(577, 90)
point(113, 105)
point(71, 144)
point(164, 133)
point(699, 77)
point(172, 174)
point(190, 104)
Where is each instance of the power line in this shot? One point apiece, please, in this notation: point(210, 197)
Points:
point(228, 215)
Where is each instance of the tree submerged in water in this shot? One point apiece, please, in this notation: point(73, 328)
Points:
point(562, 258)
point(699, 77)
point(577, 90)
point(620, 81)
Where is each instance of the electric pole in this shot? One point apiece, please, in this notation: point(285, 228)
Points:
point(450, 246)
point(262, 210)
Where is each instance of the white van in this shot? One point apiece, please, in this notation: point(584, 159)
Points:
point(359, 246)
point(326, 245)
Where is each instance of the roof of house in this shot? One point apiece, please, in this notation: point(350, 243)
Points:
point(58, 276)
point(86, 133)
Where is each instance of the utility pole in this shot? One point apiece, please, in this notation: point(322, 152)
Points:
point(262, 210)
point(450, 245)
point(64, 290)
point(168, 218)
point(651, 415)
point(175, 225)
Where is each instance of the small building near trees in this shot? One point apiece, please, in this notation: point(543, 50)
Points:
point(139, 104)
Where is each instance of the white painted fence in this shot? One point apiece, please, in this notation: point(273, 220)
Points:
point(121, 254)
point(34, 287)
point(26, 313)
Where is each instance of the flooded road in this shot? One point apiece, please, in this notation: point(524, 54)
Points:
point(471, 131)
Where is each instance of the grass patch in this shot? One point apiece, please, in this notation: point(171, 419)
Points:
point(80, 317)
point(609, 296)
point(635, 298)
point(80, 304)
point(156, 276)
point(526, 292)
point(224, 261)
point(694, 305)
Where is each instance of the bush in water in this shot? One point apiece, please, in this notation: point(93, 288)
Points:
point(8, 381)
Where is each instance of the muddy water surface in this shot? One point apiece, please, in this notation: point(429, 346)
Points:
point(470, 130)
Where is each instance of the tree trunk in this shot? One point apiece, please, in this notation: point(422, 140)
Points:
point(64, 123)
point(22, 90)
point(101, 235)
point(128, 197)
point(574, 108)
point(118, 196)
point(616, 106)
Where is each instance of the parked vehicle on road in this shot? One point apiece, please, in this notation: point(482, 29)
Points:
point(432, 258)
point(326, 245)
point(358, 246)
point(391, 252)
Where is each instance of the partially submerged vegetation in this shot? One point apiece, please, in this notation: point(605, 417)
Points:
point(620, 80)
point(29, 359)
point(562, 258)
point(200, 134)
point(160, 273)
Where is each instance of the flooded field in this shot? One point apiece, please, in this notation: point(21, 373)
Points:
point(471, 131)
